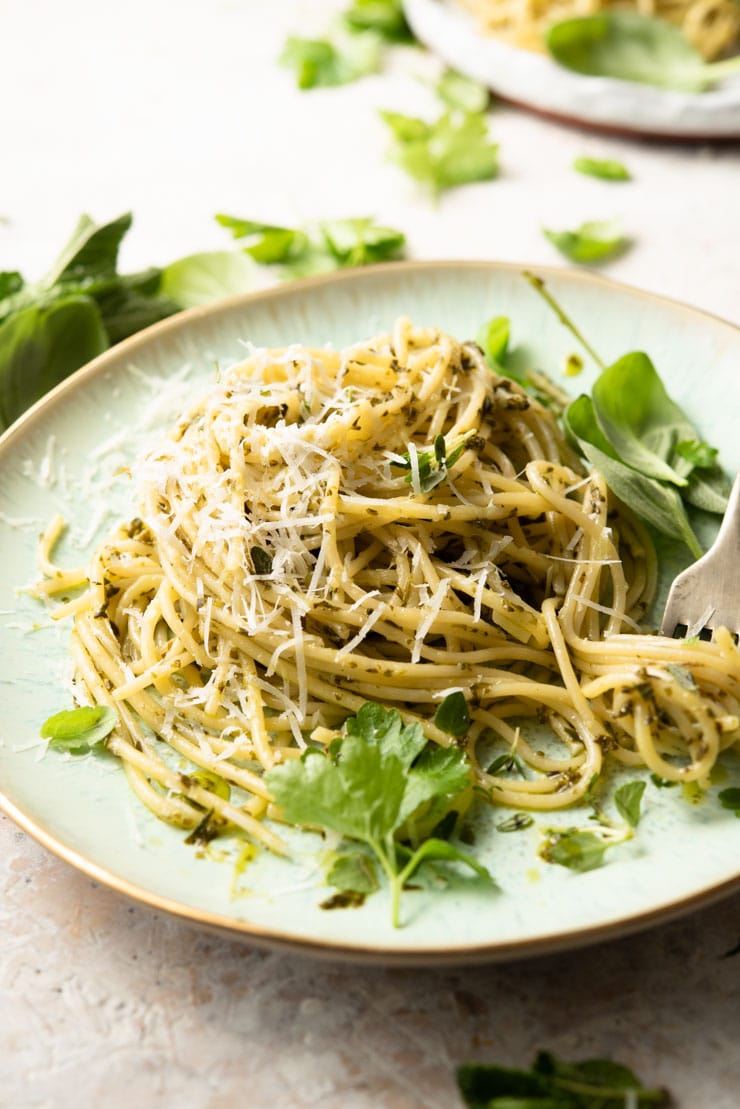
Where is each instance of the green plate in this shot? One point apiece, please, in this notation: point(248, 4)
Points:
point(66, 455)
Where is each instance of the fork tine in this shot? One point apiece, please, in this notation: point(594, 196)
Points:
point(707, 594)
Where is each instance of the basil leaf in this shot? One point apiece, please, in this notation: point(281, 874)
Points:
point(657, 503)
point(638, 417)
point(628, 799)
point(605, 168)
point(593, 242)
point(633, 47)
point(41, 346)
point(92, 251)
point(200, 278)
point(75, 729)
point(493, 339)
point(453, 716)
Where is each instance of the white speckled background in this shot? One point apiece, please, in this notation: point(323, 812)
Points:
point(178, 110)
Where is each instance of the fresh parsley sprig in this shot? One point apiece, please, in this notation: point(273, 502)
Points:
point(378, 776)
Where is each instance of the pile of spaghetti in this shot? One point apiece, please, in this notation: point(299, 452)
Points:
point(392, 523)
point(713, 26)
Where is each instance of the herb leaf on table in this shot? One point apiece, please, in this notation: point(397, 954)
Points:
point(593, 242)
point(554, 1084)
point(605, 168)
point(335, 60)
point(385, 17)
point(453, 150)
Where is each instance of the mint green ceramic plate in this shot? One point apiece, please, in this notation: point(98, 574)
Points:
point(66, 456)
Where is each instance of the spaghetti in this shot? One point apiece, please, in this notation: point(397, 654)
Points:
point(391, 522)
point(713, 26)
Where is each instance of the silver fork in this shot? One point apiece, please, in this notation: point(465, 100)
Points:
point(707, 595)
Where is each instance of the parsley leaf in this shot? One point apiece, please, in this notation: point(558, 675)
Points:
point(593, 242)
point(331, 61)
point(458, 91)
point(452, 150)
point(379, 774)
point(79, 729)
point(604, 168)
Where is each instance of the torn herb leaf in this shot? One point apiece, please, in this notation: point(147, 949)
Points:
point(261, 560)
point(516, 823)
point(459, 91)
point(493, 339)
point(593, 242)
point(628, 799)
point(453, 716)
point(730, 799)
point(79, 729)
point(331, 61)
point(452, 150)
point(353, 871)
point(385, 17)
point(604, 168)
point(574, 849)
point(506, 764)
point(555, 1084)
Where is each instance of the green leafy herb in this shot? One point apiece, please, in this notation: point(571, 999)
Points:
point(730, 799)
point(661, 783)
point(629, 429)
point(353, 871)
point(261, 560)
point(574, 849)
point(682, 675)
point(317, 248)
point(605, 168)
point(384, 17)
point(555, 1084)
point(379, 776)
point(337, 60)
point(458, 91)
point(51, 327)
point(493, 339)
point(453, 716)
point(200, 278)
point(634, 47)
point(516, 823)
point(591, 243)
point(453, 150)
point(427, 469)
point(628, 799)
point(79, 729)
point(505, 764)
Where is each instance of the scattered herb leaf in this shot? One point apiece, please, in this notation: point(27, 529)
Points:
point(628, 799)
point(605, 168)
point(493, 339)
point(516, 822)
point(453, 150)
point(682, 675)
point(331, 61)
point(575, 849)
point(593, 242)
point(78, 729)
point(555, 1084)
point(453, 716)
point(384, 17)
point(458, 91)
